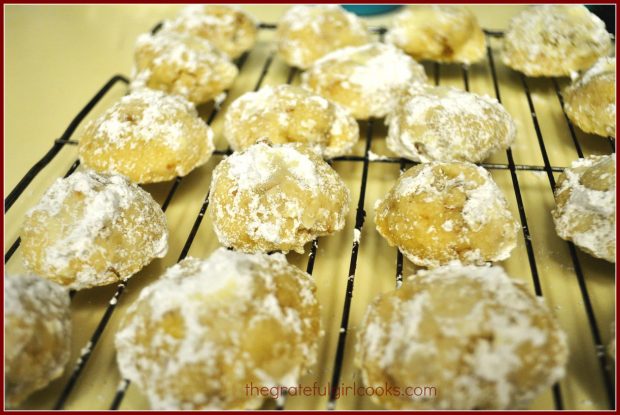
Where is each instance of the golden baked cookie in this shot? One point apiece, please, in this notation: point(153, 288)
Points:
point(208, 330)
point(148, 136)
point(183, 64)
point(92, 229)
point(308, 32)
point(276, 198)
point(555, 40)
point(590, 101)
point(585, 198)
point(364, 79)
point(289, 114)
point(442, 33)
point(475, 336)
point(447, 124)
point(442, 212)
point(229, 29)
point(37, 327)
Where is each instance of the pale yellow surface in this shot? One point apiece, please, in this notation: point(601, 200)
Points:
point(57, 57)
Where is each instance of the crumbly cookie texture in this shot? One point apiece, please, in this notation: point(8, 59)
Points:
point(442, 33)
point(308, 32)
point(585, 198)
point(480, 338)
point(447, 124)
point(441, 212)
point(366, 80)
point(206, 329)
point(285, 114)
point(37, 327)
point(276, 198)
point(92, 229)
point(182, 64)
point(555, 40)
point(228, 28)
point(148, 136)
point(590, 101)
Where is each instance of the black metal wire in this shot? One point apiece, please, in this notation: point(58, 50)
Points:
point(571, 128)
point(577, 266)
point(557, 394)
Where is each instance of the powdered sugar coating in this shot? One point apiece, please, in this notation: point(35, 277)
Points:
point(207, 328)
point(476, 335)
point(148, 136)
point(364, 79)
point(276, 198)
point(308, 32)
point(91, 229)
point(440, 212)
point(443, 33)
point(586, 205)
point(590, 101)
point(228, 28)
point(287, 113)
point(555, 40)
point(447, 124)
point(183, 64)
point(37, 326)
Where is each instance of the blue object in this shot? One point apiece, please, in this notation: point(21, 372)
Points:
point(370, 9)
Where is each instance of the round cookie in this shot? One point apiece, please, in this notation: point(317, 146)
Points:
point(148, 136)
point(555, 40)
point(308, 32)
point(289, 114)
point(442, 33)
point(91, 229)
point(276, 198)
point(37, 326)
point(229, 29)
point(183, 64)
point(208, 329)
point(447, 124)
point(364, 79)
point(590, 101)
point(473, 334)
point(585, 198)
point(442, 212)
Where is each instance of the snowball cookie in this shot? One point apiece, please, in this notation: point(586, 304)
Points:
point(92, 229)
point(285, 114)
point(480, 338)
point(364, 79)
point(308, 32)
point(183, 64)
point(585, 198)
point(443, 33)
point(441, 212)
point(208, 328)
point(555, 40)
point(276, 198)
point(148, 136)
point(448, 124)
point(228, 28)
point(590, 101)
point(37, 326)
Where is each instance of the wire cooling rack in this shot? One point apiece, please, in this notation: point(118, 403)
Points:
point(366, 159)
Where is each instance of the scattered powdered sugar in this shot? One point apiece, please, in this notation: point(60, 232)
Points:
point(376, 72)
point(447, 124)
point(104, 201)
point(485, 344)
point(587, 217)
point(229, 289)
point(554, 40)
point(605, 65)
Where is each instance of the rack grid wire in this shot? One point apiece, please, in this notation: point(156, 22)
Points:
point(606, 371)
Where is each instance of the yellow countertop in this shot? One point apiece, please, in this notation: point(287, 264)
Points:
point(57, 57)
